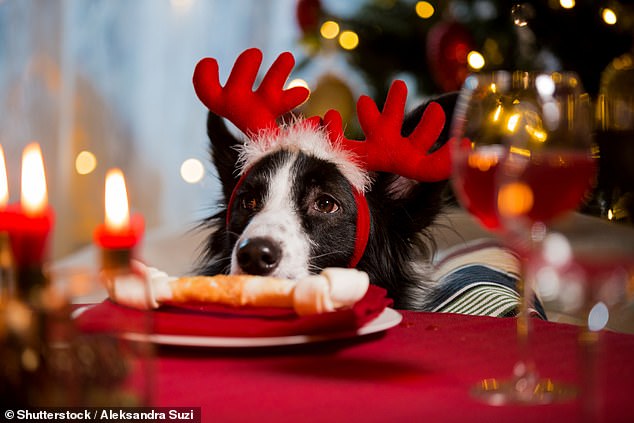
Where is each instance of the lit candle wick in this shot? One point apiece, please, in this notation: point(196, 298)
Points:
point(117, 208)
point(34, 197)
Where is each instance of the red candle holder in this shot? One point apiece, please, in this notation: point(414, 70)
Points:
point(29, 238)
point(29, 234)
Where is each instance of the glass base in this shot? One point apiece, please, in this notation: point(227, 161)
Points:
point(521, 391)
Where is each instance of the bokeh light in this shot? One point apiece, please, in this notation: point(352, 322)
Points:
point(329, 30)
point(192, 171)
point(476, 60)
point(511, 123)
point(424, 9)
point(515, 199)
point(598, 317)
point(349, 40)
point(85, 162)
point(567, 4)
point(609, 16)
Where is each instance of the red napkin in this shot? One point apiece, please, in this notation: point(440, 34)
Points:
point(226, 321)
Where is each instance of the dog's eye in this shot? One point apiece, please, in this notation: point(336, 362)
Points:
point(326, 204)
point(249, 203)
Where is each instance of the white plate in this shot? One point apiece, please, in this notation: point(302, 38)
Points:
point(387, 319)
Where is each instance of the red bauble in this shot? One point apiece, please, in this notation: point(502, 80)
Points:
point(308, 13)
point(448, 44)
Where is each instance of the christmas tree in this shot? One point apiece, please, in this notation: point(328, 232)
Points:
point(435, 44)
point(440, 42)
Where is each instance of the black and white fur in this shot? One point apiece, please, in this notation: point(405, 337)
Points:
point(294, 214)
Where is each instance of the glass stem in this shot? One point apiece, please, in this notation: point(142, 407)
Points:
point(525, 372)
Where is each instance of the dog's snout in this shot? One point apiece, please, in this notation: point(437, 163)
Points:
point(258, 256)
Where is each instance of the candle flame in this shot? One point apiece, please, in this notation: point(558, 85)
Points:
point(117, 208)
point(34, 196)
point(4, 184)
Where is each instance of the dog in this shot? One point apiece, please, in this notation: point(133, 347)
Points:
point(298, 197)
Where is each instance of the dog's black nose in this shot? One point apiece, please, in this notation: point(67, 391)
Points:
point(258, 256)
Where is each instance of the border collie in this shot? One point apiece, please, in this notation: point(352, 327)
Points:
point(299, 197)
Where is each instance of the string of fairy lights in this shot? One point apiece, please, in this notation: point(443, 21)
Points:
point(349, 40)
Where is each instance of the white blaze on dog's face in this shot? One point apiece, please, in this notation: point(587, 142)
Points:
point(293, 214)
point(273, 237)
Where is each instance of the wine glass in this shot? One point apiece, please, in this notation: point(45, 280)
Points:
point(586, 273)
point(522, 157)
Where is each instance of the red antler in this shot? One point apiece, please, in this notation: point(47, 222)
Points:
point(385, 149)
point(249, 110)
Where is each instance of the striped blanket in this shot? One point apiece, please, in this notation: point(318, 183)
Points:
point(479, 277)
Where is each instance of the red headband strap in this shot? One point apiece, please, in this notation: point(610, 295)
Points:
point(233, 196)
point(363, 221)
point(363, 228)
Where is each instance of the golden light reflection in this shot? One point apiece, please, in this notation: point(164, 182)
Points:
point(496, 113)
point(609, 16)
point(348, 40)
point(34, 197)
point(482, 162)
point(520, 151)
point(567, 4)
point(511, 123)
point(515, 199)
point(116, 199)
point(424, 9)
point(85, 162)
point(537, 134)
point(329, 30)
point(490, 384)
point(610, 214)
point(623, 62)
point(476, 60)
point(4, 184)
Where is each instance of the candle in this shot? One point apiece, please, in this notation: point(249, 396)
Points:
point(120, 230)
point(30, 222)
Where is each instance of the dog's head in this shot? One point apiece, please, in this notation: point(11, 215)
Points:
point(299, 196)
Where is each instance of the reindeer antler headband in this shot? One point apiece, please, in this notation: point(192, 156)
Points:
point(255, 113)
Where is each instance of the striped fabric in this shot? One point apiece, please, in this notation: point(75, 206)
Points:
point(479, 278)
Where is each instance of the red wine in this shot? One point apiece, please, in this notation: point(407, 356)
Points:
point(547, 185)
point(474, 181)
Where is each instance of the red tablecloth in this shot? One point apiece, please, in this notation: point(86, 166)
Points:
point(419, 371)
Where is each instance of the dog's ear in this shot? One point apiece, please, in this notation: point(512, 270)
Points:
point(224, 153)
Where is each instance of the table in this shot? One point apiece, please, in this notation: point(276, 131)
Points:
point(420, 370)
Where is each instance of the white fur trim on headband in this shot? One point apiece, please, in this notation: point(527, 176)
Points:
point(300, 135)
